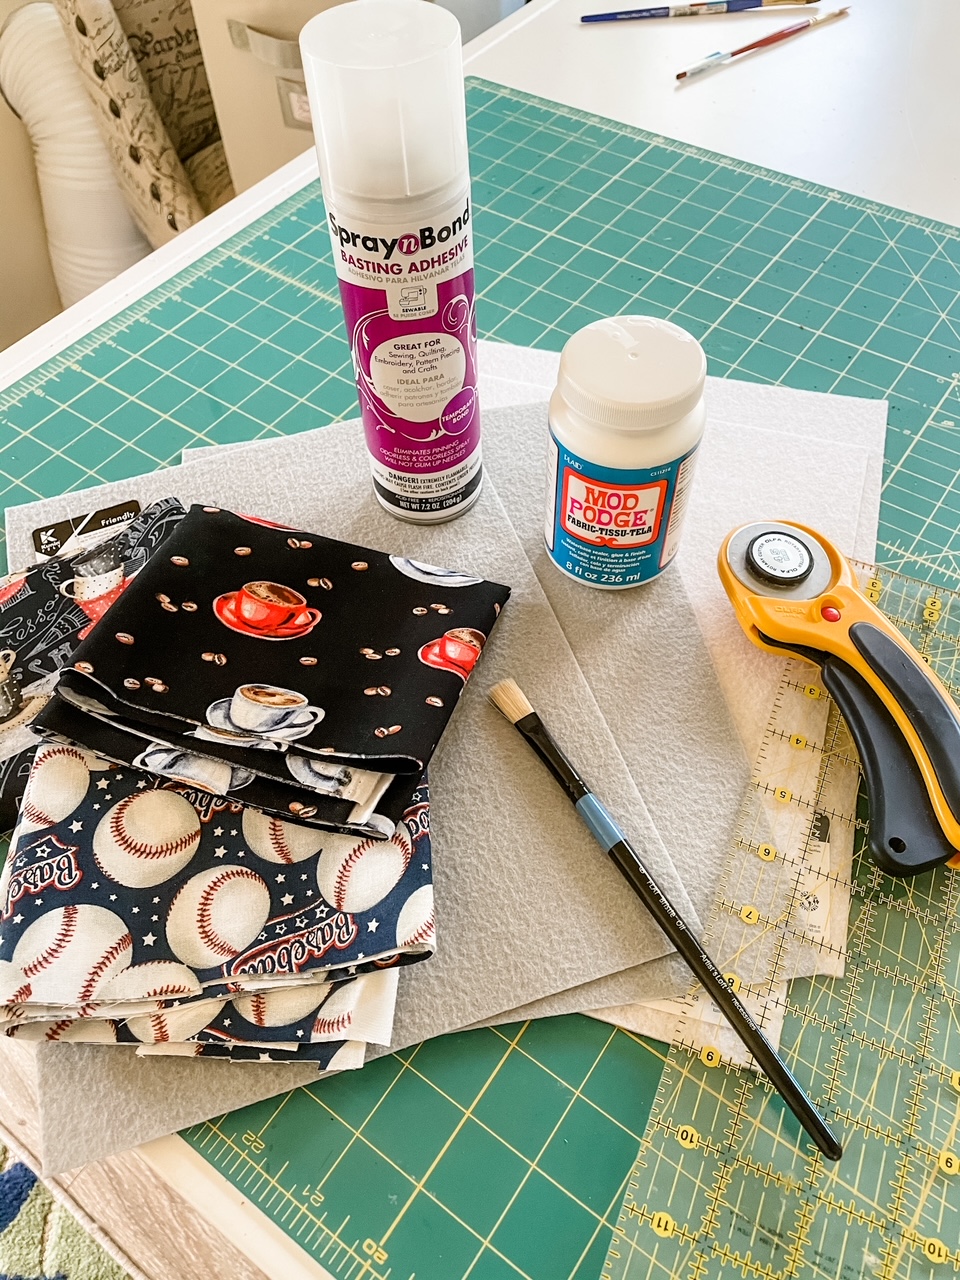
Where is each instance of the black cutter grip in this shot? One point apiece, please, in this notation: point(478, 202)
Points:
point(905, 837)
point(929, 711)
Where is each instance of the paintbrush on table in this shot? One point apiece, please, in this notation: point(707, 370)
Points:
point(508, 697)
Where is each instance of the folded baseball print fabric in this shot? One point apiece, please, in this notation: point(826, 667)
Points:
point(135, 909)
point(310, 677)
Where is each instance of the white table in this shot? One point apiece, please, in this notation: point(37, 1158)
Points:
point(868, 104)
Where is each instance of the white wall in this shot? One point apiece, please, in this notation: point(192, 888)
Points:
point(28, 295)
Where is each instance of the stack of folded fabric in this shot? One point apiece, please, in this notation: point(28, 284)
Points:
point(223, 845)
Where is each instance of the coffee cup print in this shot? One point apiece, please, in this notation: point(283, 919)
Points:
point(456, 650)
point(266, 610)
point(11, 699)
point(98, 583)
point(262, 707)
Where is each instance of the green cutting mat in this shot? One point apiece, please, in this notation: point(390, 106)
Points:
point(503, 1153)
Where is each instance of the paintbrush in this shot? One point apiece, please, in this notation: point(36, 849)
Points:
point(508, 697)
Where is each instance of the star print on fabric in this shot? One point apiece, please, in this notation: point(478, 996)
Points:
point(95, 885)
point(263, 1057)
point(18, 919)
point(299, 1033)
point(102, 784)
point(309, 893)
point(96, 806)
point(76, 826)
point(150, 939)
point(152, 918)
point(287, 899)
point(156, 899)
point(233, 833)
point(281, 928)
point(134, 911)
point(280, 879)
point(113, 897)
point(39, 902)
point(303, 877)
point(372, 926)
point(424, 866)
point(301, 922)
point(218, 831)
point(140, 785)
point(219, 851)
point(228, 1022)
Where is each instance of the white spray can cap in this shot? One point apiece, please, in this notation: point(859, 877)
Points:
point(385, 82)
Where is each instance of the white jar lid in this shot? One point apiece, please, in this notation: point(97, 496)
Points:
point(631, 373)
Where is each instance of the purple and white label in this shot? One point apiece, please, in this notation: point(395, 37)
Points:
point(408, 302)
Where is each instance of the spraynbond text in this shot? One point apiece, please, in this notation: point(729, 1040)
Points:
point(409, 244)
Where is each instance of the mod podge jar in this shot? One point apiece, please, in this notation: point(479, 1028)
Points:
point(626, 420)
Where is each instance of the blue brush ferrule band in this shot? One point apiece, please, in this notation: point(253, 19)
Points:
point(599, 821)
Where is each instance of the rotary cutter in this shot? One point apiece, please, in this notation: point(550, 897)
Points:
point(793, 591)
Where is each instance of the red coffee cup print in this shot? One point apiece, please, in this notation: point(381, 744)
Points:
point(456, 651)
point(266, 611)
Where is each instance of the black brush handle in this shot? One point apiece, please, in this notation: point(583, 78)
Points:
point(716, 986)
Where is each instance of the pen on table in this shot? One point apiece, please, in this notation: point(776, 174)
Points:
point(509, 699)
point(694, 10)
point(785, 33)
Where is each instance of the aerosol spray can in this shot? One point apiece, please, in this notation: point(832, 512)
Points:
point(385, 81)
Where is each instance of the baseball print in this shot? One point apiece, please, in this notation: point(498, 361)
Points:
point(146, 838)
point(216, 914)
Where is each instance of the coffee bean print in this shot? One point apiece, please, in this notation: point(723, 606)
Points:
point(373, 657)
point(295, 806)
point(130, 683)
point(188, 606)
point(359, 565)
point(305, 545)
point(308, 662)
point(438, 607)
point(294, 543)
point(242, 551)
point(169, 606)
point(326, 584)
point(219, 658)
point(391, 653)
point(496, 610)
point(208, 656)
point(371, 691)
point(151, 680)
point(308, 811)
point(384, 690)
point(85, 667)
point(313, 582)
point(444, 610)
point(326, 751)
point(180, 561)
point(163, 599)
point(159, 687)
point(125, 637)
point(212, 510)
point(380, 733)
point(395, 728)
point(434, 702)
point(420, 611)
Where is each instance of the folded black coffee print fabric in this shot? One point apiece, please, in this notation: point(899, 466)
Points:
point(314, 677)
point(45, 612)
point(138, 910)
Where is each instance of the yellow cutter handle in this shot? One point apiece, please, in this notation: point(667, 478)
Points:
point(843, 622)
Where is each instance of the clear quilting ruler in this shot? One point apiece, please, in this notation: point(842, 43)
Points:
point(724, 1183)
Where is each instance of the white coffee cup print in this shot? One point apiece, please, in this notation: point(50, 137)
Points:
point(262, 707)
point(89, 588)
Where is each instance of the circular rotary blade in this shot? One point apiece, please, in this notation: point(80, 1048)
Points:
point(779, 560)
